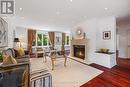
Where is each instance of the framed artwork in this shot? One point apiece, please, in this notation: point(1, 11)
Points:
point(107, 35)
point(3, 33)
point(58, 40)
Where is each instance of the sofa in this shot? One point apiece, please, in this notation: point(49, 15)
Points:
point(15, 77)
point(12, 52)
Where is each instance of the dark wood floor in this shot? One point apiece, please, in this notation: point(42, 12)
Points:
point(118, 76)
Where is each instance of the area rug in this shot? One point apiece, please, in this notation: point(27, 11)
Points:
point(74, 74)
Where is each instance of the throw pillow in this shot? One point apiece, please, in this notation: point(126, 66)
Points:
point(13, 60)
point(9, 60)
point(20, 51)
point(16, 53)
point(5, 56)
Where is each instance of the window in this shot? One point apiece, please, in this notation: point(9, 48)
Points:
point(39, 39)
point(67, 40)
point(42, 39)
point(45, 40)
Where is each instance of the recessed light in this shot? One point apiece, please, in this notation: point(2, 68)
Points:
point(71, 0)
point(106, 8)
point(20, 9)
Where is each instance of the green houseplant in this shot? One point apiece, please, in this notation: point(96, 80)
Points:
point(1, 57)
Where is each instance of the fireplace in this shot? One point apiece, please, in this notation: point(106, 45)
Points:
point(79, 51)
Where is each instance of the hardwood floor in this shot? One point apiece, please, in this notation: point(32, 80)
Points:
point(118, 76)
point(123, 62)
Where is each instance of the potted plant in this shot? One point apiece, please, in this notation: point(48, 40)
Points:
point(1, 57)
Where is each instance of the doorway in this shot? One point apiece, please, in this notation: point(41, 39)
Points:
point(128, 44)
point(123, 37)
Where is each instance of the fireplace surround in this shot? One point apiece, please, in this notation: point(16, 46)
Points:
point(79, 48)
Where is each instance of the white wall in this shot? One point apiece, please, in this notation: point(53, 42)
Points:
point(89, 27)
point(106, 24)
point(28, 23)
point(94, 30)
point(21, 33)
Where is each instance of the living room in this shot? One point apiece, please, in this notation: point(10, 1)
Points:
point(64, 43)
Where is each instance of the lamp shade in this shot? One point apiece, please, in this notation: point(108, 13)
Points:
point(16, 40)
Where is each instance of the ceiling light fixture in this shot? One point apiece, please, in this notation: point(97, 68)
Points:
point(20, 9)
point(71, 0)
point(106, 8)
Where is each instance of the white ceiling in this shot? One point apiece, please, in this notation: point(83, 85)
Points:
point(64, 14)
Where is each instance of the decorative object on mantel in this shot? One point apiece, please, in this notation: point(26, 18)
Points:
point(79, 31)
point(106, 35)
point(3, 33)
point(84, 35)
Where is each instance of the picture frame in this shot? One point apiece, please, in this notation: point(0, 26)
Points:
point(106, 35)
point(58, 40)
point(3, 33)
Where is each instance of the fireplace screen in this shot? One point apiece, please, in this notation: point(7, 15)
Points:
point(79, 51)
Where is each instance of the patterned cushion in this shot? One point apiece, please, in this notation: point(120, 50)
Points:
point(10, 52)
point(9, 60)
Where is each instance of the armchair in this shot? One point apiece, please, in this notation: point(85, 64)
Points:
point(12, 52)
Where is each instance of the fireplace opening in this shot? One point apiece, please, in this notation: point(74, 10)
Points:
point(79, 51)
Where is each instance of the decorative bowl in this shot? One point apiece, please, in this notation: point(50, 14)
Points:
point(104, 50)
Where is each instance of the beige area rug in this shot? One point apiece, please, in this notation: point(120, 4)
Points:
point(74, 75)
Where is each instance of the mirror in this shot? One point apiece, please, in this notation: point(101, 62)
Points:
point(79, 32)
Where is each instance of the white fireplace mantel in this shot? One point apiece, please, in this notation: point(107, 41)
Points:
point(79, 42)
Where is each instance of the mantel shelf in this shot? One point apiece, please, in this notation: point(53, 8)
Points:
point(79, 41)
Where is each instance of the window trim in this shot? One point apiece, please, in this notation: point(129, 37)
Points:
point(44, 33)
